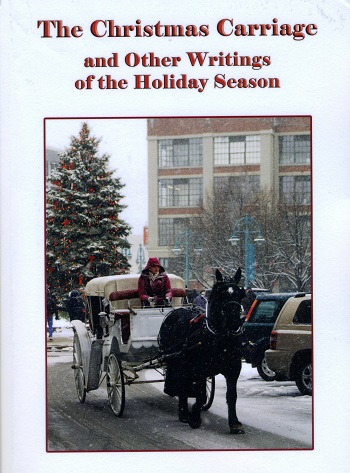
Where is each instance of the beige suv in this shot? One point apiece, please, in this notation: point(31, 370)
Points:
point(290, 353)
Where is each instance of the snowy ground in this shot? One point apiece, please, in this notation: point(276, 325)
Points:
point(276, 407)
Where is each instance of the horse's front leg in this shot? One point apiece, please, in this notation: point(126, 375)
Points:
point(184, 413)
point(231, 399)
point(195, 420)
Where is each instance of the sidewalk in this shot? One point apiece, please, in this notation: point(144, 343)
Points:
point(62, 336)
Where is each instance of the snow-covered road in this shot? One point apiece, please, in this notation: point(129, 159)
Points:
point(275, 407)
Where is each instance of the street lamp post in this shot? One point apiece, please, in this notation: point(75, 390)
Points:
point(140, 259)
point(184, 239)
point(248, 225)
point(126, 251)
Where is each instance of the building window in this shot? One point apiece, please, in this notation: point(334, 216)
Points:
point(294, 149)
point(245, 185)
point(295, 189)
point(165, 263)
point(180, 192)
point(50, 166)
point(236, 150)
point(180, 152)
point(169, 228)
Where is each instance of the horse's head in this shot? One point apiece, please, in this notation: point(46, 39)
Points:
point(224, 304)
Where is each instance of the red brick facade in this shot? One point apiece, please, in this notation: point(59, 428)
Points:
point(199, 125)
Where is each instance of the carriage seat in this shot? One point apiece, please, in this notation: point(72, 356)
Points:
point(178, 292)
point(133, 294)
point(123, 295)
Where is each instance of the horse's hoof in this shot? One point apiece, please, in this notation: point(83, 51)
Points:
point(195, 420)
point(195, 423)
point(184, 416)
point(236, 429)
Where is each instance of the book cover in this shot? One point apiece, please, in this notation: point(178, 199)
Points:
point(121, 67)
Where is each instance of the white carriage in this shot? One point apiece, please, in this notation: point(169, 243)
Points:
point(121, 337)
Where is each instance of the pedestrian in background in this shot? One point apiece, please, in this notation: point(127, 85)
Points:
point(248, 300)
point(201, 300)
point(75, 306)
point(51, 310)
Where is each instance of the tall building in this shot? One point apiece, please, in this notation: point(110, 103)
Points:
point(52, 160)
point(189, 157)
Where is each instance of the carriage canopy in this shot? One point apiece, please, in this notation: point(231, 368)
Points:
point(105, 285)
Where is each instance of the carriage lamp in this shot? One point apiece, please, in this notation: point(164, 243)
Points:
point(111, 320)
point(248, 226)
point(103, 319)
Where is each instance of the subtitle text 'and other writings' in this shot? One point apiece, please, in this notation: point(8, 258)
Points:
point(168, 73)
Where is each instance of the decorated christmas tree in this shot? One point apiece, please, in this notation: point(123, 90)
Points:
point(85, 237)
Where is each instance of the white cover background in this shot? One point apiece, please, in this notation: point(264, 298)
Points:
point(37, 81)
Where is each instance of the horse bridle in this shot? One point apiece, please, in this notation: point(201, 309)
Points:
point(234, 334)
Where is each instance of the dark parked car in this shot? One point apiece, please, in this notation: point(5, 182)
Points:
point(257, 328)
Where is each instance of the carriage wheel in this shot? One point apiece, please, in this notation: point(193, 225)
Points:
point(79, 377)
point(210, 389)
point(115, 385)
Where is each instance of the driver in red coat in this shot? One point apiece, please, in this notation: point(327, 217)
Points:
point(154, 284)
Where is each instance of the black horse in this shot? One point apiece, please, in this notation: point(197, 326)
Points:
point(199, 345)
